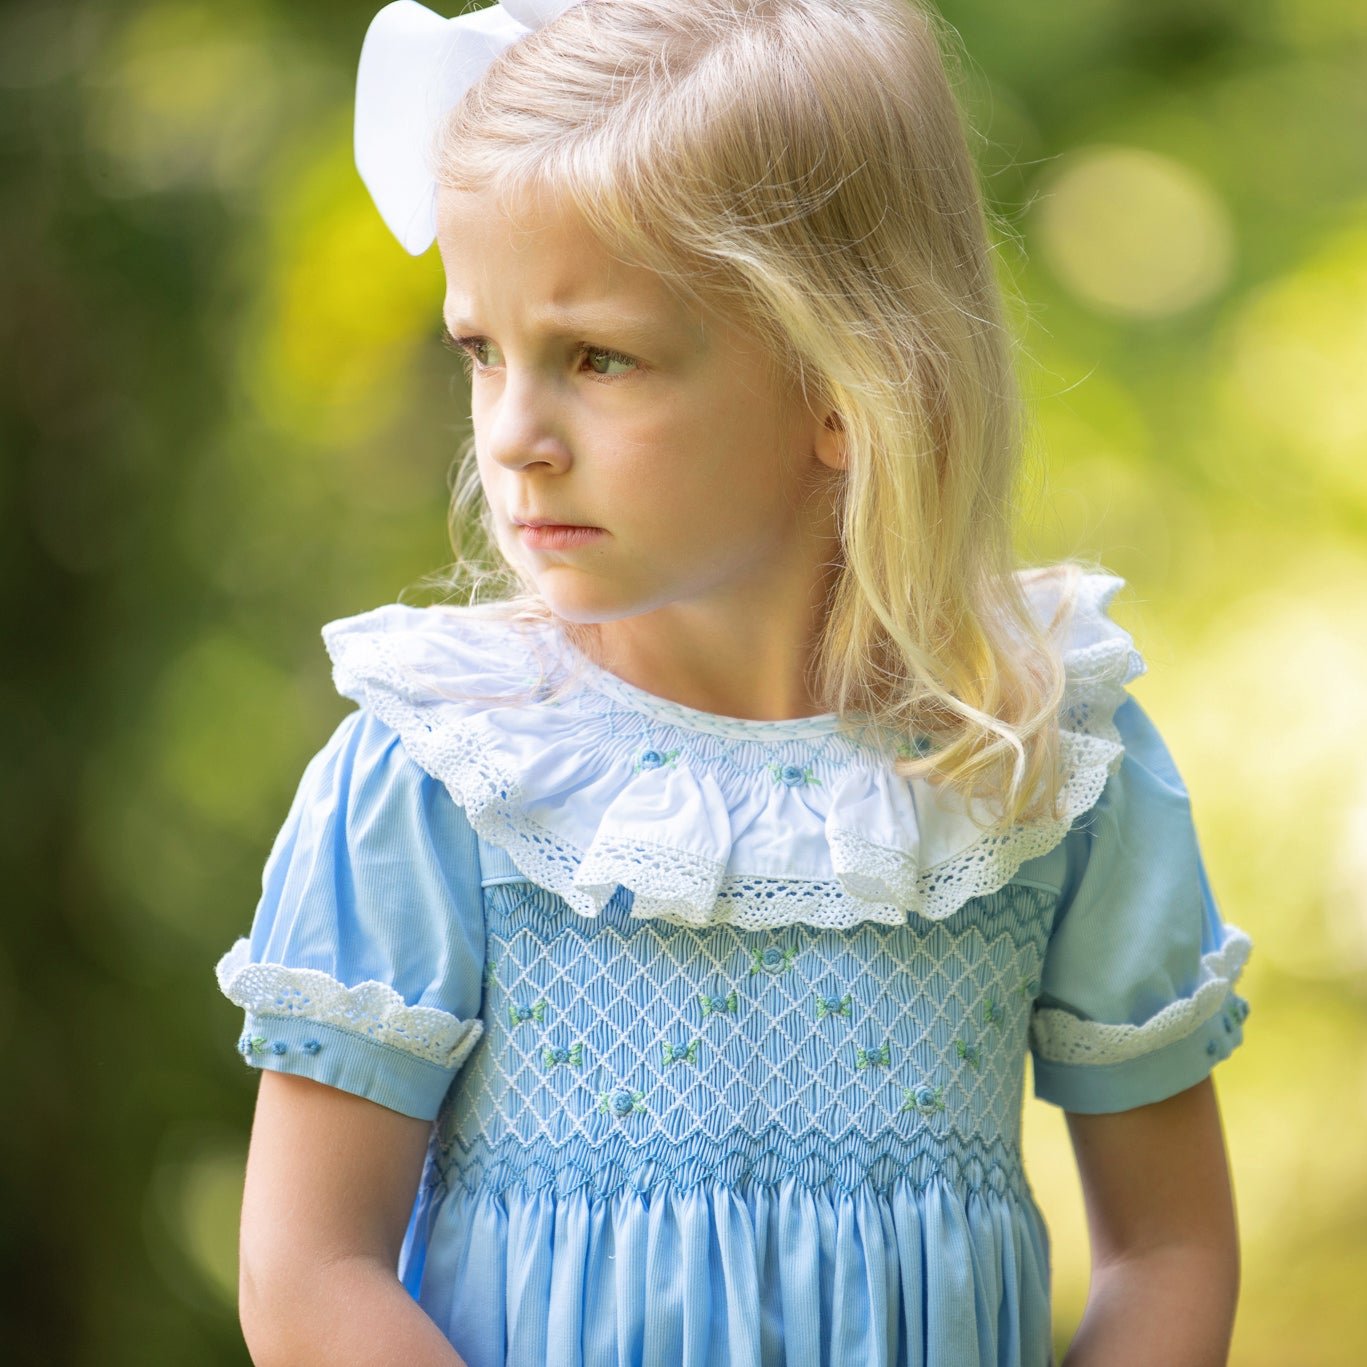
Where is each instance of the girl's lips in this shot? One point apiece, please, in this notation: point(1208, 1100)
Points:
point(552, 536)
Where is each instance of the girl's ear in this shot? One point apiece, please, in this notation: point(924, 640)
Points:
point(830, 442)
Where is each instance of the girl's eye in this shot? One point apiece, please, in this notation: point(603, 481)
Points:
point(465, 348)
point(470, 348)
point(613, 358)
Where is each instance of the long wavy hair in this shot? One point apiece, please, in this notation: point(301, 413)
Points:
point(803, 167)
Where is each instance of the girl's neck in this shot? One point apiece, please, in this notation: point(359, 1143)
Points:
point(748, 674)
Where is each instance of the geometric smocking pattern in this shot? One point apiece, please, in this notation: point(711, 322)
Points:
point(626, 1052)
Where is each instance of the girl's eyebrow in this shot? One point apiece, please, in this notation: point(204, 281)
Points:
point(566, 324)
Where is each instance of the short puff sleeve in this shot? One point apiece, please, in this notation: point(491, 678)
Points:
point(1136, 999)
point(364, 967)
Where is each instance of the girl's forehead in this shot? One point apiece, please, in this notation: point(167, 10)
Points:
point(476, 227)
point(517, 211)
point(542, 253)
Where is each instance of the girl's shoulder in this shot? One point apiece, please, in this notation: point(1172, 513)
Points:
point(590, 784)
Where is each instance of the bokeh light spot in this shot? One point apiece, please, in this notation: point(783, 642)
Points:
point(185, 95)
point(195, 1207)
point(1295, 377)
point(1130, 231)
point(219, 701)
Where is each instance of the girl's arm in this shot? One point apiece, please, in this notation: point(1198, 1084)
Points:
point(331, 1179)
point(1164, 1239)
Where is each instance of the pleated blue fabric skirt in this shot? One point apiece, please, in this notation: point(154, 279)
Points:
point(717, 1276)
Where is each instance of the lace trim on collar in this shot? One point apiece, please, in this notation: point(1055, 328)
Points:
point(708, 819)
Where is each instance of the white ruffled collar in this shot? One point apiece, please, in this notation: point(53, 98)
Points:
point(707, 818)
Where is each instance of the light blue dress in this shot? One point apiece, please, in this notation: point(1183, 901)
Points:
point(721, 1033)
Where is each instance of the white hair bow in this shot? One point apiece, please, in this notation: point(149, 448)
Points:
point(415, 65)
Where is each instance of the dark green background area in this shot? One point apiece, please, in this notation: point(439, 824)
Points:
point(227, 420)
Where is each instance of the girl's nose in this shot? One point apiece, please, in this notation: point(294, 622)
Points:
point(520, 425)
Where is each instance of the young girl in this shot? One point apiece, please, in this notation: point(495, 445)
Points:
point(645, 970)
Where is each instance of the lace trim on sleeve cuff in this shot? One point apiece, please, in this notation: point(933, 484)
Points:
point(373, 1009)
point(1061, 1037)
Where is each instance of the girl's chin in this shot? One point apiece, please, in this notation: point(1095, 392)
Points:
point(584, 602)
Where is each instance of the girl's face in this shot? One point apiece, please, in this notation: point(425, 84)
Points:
point(598, 398)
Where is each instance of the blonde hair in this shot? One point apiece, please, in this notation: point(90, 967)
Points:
point(802, 167)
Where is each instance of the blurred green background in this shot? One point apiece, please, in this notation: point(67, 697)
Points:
point(227, 420)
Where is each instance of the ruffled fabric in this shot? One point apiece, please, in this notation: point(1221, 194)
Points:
point(372, 1009)
point(705, 818)
point(1061, 1037)
point(711, 1274)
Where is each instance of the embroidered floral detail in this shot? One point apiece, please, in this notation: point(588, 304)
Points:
point(676, 1053)
point(772, 959)
point(1029, 988)
point(655, 759)
point(969, 1052)
point(620, 1102)
point(526, 1012)
point(724, 1004)
point(280, 1047)
point(1235, 1012)
point(918, 745)
point(792, 774)
point(924, 1098)
point(874, 1058)
point(371, 1010)
point(1212, 1048)
point(490, 973)
point(832, 1006)
point(573, 1054)
point(310, 1046)
point(253, 1044)
point(718, 852)
point(992, 1013)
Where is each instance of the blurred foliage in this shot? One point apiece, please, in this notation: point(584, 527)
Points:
point(227, 420)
